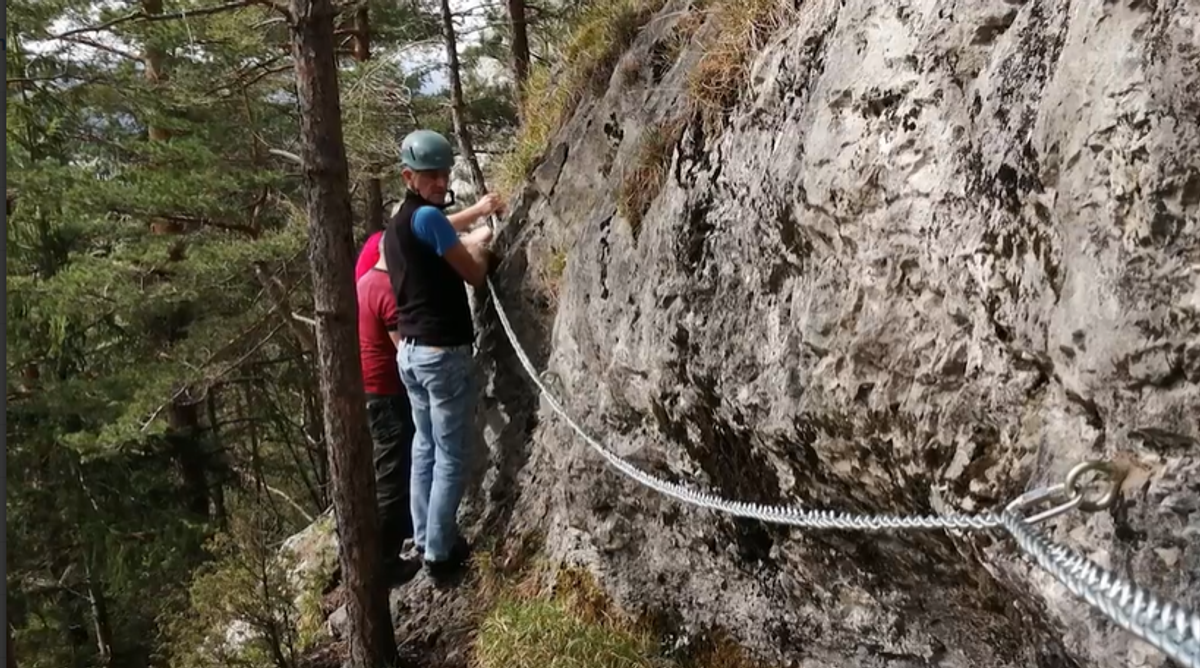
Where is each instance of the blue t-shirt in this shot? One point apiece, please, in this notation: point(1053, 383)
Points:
point(432, 226)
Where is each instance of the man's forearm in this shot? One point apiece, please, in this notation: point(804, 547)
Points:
point(461, 220)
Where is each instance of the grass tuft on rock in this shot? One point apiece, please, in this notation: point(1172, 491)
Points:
point(576, 627)
point(544, 634)
point(720, 76)
point(643, 182)
point(550, 274)
point(601, 34)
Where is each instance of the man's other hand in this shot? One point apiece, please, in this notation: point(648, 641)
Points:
point(491, 203)
point(480, 236)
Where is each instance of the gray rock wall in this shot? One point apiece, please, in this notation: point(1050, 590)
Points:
point(941, 252)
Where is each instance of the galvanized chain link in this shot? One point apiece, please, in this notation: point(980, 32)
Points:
point(1171, 628)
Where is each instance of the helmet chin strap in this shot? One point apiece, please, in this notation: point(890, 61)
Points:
point(451, 199)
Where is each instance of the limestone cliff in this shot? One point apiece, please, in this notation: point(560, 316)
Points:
point(937, 253)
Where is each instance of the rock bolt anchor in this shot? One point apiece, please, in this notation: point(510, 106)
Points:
point(1074, 491)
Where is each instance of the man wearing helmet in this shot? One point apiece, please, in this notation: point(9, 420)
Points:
point(427, 263)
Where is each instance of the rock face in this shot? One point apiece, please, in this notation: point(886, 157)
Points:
point(941, 252)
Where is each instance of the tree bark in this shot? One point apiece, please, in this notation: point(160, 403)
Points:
point(182, 415)
point(220, 512)
point(375, 213)
point(331, 255)
point(187, 442)
point(362, 53)
point(457, 107)
point(362, 33)
point(155, 72)
point(520, 44)
point(315, 446)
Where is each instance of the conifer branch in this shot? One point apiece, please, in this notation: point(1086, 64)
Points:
point(191, 221)
point(278, 296)
point(213, 378)
point(93, 44)
point(279, 69)
point(49, 78)
point(141, 15)
point(287, 154)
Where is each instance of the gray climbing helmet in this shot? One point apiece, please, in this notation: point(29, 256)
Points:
point(426, 150)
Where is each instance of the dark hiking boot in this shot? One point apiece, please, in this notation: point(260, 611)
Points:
point(445, 571)
point(400, 572)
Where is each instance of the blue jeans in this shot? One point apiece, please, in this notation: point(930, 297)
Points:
point(441, 388)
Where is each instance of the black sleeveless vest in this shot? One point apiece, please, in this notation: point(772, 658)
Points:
point(431, 298)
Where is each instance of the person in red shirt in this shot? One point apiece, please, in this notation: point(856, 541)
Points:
point(389, 414)
point(369, 256)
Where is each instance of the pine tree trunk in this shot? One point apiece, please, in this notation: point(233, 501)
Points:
point(187, 442)
point(315, 446)
point(331, 254)
point(520, 44)
point(362, 53)
point(457, 107)
point(220, 512)
point(184, 420)
point(362, 34)
point(155, 72)
point(375, 213)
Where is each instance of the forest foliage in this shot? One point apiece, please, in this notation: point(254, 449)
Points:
point(163, 422)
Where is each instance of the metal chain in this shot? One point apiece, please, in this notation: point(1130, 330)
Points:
point(1171, 628)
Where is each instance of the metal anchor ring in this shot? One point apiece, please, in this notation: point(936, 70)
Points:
point(1112, 477)
point(1071, 489)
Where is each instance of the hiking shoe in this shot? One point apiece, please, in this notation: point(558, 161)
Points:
point(443, 571)
point(401, 571)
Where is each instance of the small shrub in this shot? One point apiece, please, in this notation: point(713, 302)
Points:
point(242, 608)
point(581, 595)
point(551, 272)
point(719, 77)
point(640, 185)
point(688, 25)
point(512, 573)
point(606, 30)
point(543, 110)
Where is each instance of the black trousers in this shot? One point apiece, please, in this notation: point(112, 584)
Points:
point(389, 418)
